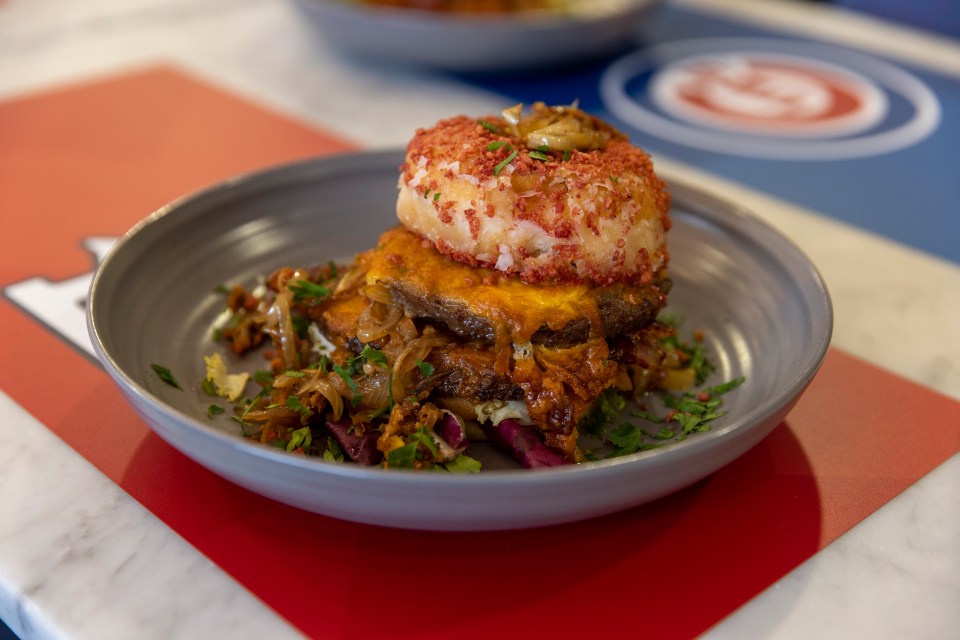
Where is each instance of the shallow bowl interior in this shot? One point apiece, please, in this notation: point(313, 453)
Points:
point(762, 306)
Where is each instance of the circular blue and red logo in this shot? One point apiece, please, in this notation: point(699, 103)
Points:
point(770, 99)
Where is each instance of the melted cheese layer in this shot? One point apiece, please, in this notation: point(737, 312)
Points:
point(515, 310)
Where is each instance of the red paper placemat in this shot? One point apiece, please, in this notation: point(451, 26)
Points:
point(93, 159)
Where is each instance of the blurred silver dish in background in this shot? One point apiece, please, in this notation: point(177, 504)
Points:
point(477, 35)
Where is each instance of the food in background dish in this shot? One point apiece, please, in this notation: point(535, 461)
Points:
point(473, 6)
point(519, 301)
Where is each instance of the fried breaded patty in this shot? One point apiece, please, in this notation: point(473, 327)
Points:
point(474, 306)
point(559, 197)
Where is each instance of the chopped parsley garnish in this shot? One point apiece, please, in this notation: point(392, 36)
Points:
point(322, 364)
point(721, 389)
point(628, 438)
point(419, 447)
point(209, 387)
point(607, 408)
point(425, 439)
point(299, 438)
point(664, 434)
point(345, 374)
point(356, 397)
point(301, 324)
point(463, 464)
point(293, 402)
point(333, 452)
point(492, 128)
point(649, 416)
point(426, 369)
point(691, 412)
point(566, 155)
point(538, 155)
point(221, 288)
point(164, 374)
point(214, 410)
point(354, 366)
point(498, 144)
point(696, 355)
point(264, 392)
point(403, 457)
point(306, 290)
point(497, 169)
point(370, 354)
point(421, 451)
point(263, 377)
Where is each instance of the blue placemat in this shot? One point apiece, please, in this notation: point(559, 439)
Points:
point(857, 137)
point(6, 633)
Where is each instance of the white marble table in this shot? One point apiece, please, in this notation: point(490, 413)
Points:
point(78, 563)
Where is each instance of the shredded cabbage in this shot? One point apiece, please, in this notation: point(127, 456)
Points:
point(228, 385)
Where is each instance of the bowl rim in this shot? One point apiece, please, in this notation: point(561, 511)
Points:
point(699, 201)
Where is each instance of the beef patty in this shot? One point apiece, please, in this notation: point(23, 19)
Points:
point(622, 309)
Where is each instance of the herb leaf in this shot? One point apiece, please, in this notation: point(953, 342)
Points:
point(649, 416)
point(369, 354)
point(208, 387)
point(306, 290)
point(424, 438)
point(333, 452)
point(263, 377)
point(463, 464)
point(343, 373)
point(403, 457)
point(293, 402)
point(627, 438)
point(696, 355)
point(164, 374)
point(426, 369)
point(299, 438)
point(608, 406)
point(721, 389)
point(497, 169)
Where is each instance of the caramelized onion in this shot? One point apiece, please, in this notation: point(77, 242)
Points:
point(340, 386)
point(350, 279)
point(378, 293)
point(373, 390)
point(278, 414)
point(283, 381)
point(322, 385)
point(376, 321)
point(284, 329)
point(416, 350)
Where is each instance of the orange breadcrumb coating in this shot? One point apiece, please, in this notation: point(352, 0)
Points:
point(597, 216)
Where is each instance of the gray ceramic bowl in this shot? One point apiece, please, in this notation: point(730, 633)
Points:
point(482, 43)
point(762, 305)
